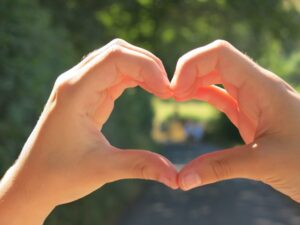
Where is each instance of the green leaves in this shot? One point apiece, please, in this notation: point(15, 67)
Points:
point(30, 60)
point(39, 39)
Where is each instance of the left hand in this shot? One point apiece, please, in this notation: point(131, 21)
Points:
point(66, 156)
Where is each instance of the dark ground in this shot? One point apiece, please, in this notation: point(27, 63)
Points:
point(236, 202)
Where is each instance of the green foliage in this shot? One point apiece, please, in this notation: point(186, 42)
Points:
point(39, 39)
point(222, 132)
point(32, 54)
point(131, 120)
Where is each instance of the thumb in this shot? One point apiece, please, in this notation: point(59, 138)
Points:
point(142, 164)
point(237, 162)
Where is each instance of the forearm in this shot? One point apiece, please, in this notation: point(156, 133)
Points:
point(20, 204)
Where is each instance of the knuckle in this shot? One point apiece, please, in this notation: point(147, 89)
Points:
point(63, 87)
point(221, 168)
point(183, 62)
point(118, 41)
point(222, 45)
point(90, 54)
point(141, 169)
point(61, 84)
point(158, 60)
point(114, 50)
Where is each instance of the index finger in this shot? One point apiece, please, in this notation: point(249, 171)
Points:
point(244, 81)
point(123, 43)
point(221, 59)
point(121, 60)
point(93, 87)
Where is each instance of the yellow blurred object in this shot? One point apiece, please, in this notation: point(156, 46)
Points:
point(158, 135)
point(176, 132)
point(165, 130)
point(164, 109)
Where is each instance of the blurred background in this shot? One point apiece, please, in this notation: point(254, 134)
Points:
point(40, 39)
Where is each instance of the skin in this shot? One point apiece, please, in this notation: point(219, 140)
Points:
point(263, 107)
point(66, 157)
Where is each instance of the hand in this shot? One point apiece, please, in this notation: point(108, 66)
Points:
point(66, 156)
point(263, 107)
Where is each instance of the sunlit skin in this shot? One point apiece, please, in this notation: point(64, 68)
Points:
point(66, 157)
point(263, 107)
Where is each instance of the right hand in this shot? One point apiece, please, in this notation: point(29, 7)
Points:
point(264, 108)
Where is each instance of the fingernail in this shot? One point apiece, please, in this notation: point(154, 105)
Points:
point(190, 180)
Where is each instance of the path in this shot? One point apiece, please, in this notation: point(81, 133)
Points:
point(237, 202)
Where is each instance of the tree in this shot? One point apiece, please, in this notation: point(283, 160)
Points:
point(32, 54)
point(39, 39)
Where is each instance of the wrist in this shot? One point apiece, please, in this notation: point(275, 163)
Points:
point(20, 204)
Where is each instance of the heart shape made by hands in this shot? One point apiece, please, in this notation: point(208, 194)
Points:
point(90, 89)
point(196, 76)
point(70, 158)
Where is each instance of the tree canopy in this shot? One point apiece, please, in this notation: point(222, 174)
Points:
point(40, 39)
